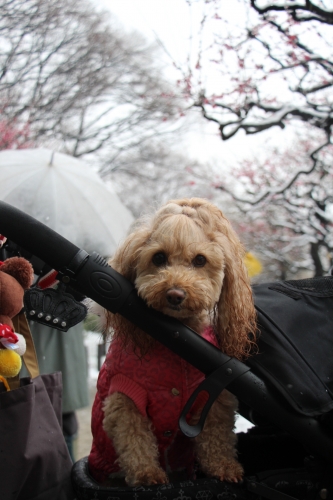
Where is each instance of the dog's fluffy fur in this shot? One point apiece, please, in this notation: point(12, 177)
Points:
point(187, 262)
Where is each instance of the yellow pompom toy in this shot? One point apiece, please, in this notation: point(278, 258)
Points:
point(10, 363)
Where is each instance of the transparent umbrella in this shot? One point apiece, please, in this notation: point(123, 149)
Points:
point(66, 195)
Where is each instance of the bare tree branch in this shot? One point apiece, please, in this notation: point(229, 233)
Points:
point(70, 74)
point(298, 11)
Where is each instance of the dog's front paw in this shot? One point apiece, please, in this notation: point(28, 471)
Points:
point(151, 475)
point(228, 470)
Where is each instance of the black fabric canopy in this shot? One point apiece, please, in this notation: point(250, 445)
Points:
point(296, 341)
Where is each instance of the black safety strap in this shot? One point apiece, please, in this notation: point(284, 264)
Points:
point(213, 385)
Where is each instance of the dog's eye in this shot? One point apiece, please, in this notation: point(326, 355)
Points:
point(199, 261)
point(159, 259)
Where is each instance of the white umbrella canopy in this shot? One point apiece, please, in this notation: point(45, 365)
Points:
point(66, 195)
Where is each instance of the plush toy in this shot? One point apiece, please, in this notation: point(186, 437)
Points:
point(16, 275)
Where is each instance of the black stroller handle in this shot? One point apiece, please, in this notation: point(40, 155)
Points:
point(35, 237)
point(92, 276)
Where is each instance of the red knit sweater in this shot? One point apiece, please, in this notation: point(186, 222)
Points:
point(159, 384)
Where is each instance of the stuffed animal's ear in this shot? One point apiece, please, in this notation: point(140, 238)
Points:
point(20, 269)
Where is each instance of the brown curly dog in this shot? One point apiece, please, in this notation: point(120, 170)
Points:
point(187, 262)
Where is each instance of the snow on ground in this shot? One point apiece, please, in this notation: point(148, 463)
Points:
point(242, 425)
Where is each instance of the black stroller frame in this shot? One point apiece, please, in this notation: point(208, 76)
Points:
point(91, 276)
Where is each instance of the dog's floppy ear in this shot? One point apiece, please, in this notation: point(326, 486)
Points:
point(125, 262)
point(235, 318)
point(125, 258)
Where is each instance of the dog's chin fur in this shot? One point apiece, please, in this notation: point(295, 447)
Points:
point(215, 293)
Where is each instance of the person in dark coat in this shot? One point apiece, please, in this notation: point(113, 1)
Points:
point(65, 352)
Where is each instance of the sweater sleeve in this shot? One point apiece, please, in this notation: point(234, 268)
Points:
point(123, 384)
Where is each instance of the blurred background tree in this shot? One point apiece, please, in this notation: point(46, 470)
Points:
point(70, 79)
point(274, 69)
point(288, 223)
point(13, 136)
point(154, 173)
point(73, 80)
point(69, 74)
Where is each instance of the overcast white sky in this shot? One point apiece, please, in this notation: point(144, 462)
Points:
point(170, 20)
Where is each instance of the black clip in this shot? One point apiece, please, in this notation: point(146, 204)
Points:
point(69, 272)
point(54, 308)
point(213, 385)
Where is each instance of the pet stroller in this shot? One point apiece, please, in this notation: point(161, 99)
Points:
point(285, 389)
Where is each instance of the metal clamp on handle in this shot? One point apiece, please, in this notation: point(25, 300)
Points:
point(71, 269)
point(213, 385)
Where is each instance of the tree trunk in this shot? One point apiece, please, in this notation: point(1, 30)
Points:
point(314, 251)
point(283, 271)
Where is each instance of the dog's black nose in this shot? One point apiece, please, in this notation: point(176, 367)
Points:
point(175, 296)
